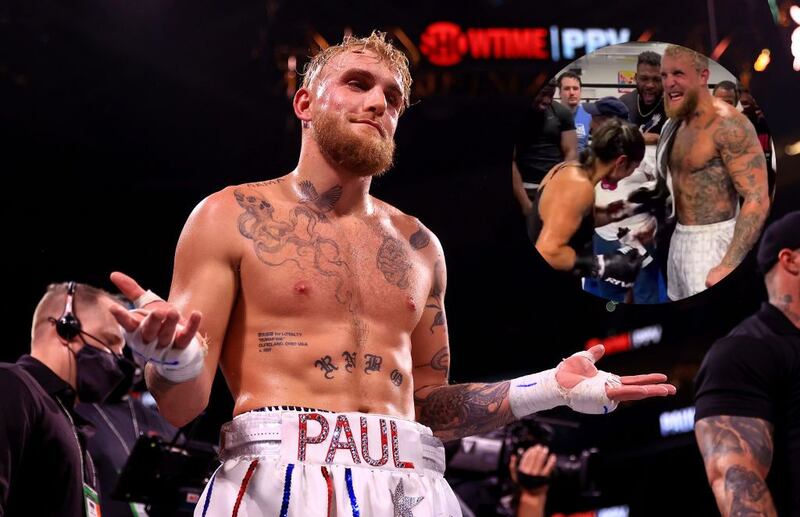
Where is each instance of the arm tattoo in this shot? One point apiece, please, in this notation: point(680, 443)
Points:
point(745, 234)
point(744, 159)
point(460, 410)
point(393, 262)
point(439, 362)
point(435, 296)
point(748, 492)
point(419, 239)
point(746, 445)
point(721, 435)
point(733, 138)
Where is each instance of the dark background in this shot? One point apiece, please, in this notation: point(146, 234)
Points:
point(118, 117)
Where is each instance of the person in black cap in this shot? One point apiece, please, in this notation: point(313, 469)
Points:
point(605, 109)
point(747, 392)
point(76, 347)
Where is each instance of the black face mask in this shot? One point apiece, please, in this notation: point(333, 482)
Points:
point(99, 373)
point(132, 374)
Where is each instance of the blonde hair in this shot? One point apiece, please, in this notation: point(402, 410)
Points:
point(376, 43)
point(699, 61)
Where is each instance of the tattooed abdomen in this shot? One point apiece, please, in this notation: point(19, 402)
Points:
point(705, 195)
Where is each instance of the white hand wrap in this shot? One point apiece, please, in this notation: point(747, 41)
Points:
point(176, 365)
point(146, 297)
point(541, 391)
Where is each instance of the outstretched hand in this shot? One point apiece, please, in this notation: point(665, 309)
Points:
point(157, 319)
point(580, 367)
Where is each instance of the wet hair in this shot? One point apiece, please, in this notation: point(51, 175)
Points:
point(699, 61)
point(613, 139)
point(648, 57)
point(569, 75)
point(730, 86)
point(375, 43)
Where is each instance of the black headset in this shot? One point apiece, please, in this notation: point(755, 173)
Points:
point(68, 325)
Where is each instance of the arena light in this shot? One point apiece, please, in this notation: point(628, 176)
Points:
point(638, 338)
point(612, 511)
point(794, 12)
point(793, 149)
point(412, 50)
point(678, 421)
point(721, 47)
point(762, 61)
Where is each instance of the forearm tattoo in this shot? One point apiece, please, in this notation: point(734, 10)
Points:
point(460, 410)
point(749, 494)
point(723, 440)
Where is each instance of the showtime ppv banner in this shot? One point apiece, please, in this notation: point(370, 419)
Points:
point(446, 43)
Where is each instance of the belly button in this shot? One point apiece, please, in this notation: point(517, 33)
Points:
point(301, 288)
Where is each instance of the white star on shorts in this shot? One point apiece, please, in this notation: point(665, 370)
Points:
point(403, 504)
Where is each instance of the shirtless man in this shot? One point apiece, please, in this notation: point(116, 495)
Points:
point(714, 158)
point(324, 307)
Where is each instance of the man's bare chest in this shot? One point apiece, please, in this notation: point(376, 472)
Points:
point(298, 262)
point(692, 151)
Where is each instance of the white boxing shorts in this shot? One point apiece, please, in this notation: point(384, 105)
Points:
point(693, 252)
point(300, 463)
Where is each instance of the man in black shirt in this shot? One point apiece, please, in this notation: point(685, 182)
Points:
point(118, 422)
point(646, 104)
point(748, 392)
point(546, 137)
point(75, 352)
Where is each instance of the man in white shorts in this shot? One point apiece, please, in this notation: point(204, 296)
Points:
point(324, 307)
point(711, 156)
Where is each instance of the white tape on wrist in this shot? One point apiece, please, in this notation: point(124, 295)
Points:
point(174, 364)
point(147, 297)
point(541, 391)
point(535, 392)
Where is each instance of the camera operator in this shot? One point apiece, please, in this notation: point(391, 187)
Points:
point(531, 472)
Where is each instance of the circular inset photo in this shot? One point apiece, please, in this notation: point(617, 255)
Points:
point(645, 169)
